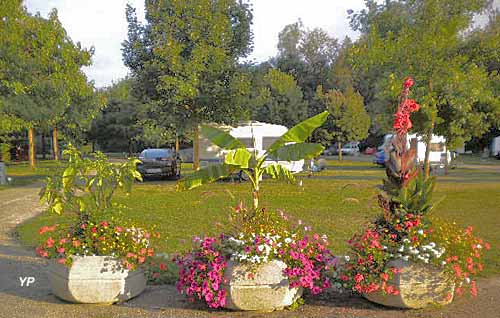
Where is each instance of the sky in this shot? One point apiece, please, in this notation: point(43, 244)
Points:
point(102, 24)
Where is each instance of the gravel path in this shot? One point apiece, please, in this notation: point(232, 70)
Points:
point(20, 204)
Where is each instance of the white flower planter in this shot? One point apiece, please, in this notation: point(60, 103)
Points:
point(259, 287)
point(95, 279)
point(419, 286)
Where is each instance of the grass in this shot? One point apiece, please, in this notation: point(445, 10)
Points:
point(22, 174)
point(336, 202)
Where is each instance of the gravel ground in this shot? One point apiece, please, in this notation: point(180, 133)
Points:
point(19, 204)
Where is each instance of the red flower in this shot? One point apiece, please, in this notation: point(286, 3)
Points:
point(60, 250)
point(358, 278)
point(104, 223)
point(408, 82)
point(50, 242)
point(384, 276)
point(162, 267)
point(94, 229)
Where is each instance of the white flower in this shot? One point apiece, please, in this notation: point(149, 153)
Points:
point(432, 244)
point(406, 257)
point(288, 240)
point(479, 246)
point(467, 279)
point(443, 263)
point(347, 258)
point(420, 231)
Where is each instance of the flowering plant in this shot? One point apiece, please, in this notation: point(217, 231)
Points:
point(406, 231)
point(262, 236)
point(106, 237)
point(86, 188)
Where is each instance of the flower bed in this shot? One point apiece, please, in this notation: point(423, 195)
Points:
point(98, 258)
point(407, 257)
point(297, 261)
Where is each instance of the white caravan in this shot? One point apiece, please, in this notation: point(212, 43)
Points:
point(495, 146)
point(264, 135)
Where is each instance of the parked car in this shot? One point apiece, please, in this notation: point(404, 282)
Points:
point(379, 158)
point(370, 151)
point(163, 163)
point(350, 148)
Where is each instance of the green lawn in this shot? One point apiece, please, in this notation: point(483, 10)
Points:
point(22, 174)
point(336, 202)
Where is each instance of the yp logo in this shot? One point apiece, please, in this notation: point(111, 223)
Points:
point(26, 281)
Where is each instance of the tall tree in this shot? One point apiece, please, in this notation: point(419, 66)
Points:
point(41, 68)
point(421, 39)
point(348, 119)
point(280, 100)
point(186, 59)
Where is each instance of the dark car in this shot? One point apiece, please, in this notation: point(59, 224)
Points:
point(163, 163)
point(379, 158)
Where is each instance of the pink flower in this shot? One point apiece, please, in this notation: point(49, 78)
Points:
point(60, 250)
point(358, 278)
point(61, 260)
point(408, 82)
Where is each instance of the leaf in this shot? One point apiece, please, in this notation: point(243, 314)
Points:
point(204, 176)
point(238, 157)
point(300, 132)
point(296, 152)
point(277, 171)
point(221, 138)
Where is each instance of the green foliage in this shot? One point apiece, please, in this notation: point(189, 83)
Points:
point(349, 119)
point(87, 186)
point(4, 152)
point(416, 196)
point(252, 164)
point(423, 39)
point(40, 68)
point(279, 100)
point(185, 60)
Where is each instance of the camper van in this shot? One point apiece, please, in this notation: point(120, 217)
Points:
point(495, 146)
point(256, 136)
point(438, 154)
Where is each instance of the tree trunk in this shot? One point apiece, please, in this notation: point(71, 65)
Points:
point(339, 147)
point(177, 144)
point(31, 136)
point(196, 148)
point(55, 144)
point(43, 146)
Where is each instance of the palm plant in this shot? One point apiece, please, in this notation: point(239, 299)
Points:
point(291, 146)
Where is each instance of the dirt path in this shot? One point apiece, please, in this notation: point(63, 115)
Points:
point(17, 205)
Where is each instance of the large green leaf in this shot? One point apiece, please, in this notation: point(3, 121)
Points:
point(204, 176)
point(277, 171)
point(238, 157)
point(298, 152)
point(300, 132)
point(221, 138)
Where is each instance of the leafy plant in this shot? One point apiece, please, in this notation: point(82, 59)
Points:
point(289, 147)
point(86, 185)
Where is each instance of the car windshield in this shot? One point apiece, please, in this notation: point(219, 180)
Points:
point(157, 153)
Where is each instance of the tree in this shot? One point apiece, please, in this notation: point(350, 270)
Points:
point(185, 59)
point(349, 120)
point(41, 69)
point(308, 55)
point(280, 100)
point(422, 39)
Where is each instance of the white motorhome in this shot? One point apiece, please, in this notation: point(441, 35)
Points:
point(495, 146)
point(438, 154)
point(262, 134)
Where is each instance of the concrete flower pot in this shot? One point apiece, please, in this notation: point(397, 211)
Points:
point(419, 286)
point(95, 279)
point(259, 287)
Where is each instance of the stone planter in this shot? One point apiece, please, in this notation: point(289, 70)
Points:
point(95, 279)
point(419, 286)
point(259, 287)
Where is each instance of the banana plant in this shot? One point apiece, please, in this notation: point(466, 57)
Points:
point(291, 146)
